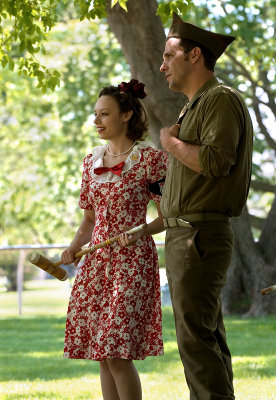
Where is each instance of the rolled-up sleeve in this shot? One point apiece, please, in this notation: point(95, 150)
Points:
point(220, 134)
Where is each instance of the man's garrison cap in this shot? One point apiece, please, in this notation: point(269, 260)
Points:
point(216, 43)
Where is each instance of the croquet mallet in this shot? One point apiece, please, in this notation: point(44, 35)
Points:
point(268, 290)
point(54, 269)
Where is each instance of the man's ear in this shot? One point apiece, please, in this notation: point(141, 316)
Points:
point(127, 115)
point(195, 54)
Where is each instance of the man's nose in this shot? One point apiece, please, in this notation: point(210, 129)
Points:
point(163, 67)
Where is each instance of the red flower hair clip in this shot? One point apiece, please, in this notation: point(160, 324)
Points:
point(133, 87)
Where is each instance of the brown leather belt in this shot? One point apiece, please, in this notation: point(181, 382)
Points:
point(184, 220)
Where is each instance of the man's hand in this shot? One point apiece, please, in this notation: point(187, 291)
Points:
point(129, 239)
point(168, 135)
point(186, 153)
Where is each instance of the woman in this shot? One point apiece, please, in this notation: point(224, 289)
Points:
point(114, 313)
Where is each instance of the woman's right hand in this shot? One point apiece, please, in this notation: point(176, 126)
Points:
point(67, 257)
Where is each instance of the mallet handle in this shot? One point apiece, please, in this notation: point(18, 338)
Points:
point(268, 290)
point(102, 244)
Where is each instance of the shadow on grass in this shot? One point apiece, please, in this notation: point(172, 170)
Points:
point(32, 349)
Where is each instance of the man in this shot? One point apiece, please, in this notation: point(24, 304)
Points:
point(210, 150)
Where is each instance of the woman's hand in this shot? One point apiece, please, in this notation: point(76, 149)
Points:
point(67, 257)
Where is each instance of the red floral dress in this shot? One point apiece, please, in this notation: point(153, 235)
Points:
point(115, 309)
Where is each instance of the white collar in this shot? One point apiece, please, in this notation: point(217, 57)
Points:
point(132, 159)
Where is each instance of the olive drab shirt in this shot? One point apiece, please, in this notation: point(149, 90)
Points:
point(218, 121)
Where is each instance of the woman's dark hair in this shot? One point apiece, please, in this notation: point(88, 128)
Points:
point(209, 58)
point(127, 101)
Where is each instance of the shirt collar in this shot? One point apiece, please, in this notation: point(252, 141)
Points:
point(206, 86)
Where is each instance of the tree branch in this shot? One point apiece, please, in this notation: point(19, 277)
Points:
point(255, 102)
point(270, 92)
point(262, 186)
point(256, 222)
point(242, 68)
point(3, 43)
point(262, 126)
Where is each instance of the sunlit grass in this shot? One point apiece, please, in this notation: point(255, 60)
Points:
point(32, 365)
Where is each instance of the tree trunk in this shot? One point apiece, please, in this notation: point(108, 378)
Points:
point(141, 35)
point(248, 274)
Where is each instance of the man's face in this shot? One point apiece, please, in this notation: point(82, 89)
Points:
point(176, 65)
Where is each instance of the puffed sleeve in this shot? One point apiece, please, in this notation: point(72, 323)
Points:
point(157, 164)
point(85, 183)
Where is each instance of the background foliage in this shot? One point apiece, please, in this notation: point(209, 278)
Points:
point(45, 138)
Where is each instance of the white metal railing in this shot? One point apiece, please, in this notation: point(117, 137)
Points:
point(23, 251)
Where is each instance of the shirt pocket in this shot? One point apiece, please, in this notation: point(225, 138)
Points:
point(190, 135)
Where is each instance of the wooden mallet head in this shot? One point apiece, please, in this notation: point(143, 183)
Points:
point(48, 266)
point(268, 290)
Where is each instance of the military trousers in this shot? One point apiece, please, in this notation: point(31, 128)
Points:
point(197, 259)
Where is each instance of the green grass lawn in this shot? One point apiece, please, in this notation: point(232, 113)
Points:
point(32, 364)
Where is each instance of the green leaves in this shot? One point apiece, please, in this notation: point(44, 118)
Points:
point(5, 60)
point(11, 64)
point(166, 9)
point(121, 3)
point(91, 9)
point(24, 26)
point(47, 79)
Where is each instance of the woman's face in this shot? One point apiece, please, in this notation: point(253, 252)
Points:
point(110, 122)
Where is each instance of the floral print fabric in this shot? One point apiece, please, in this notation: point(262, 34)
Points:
point(115, 309)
